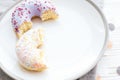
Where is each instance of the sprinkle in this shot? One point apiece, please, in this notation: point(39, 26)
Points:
point(25, 8)
point(20, 9)
point(38, 9)
point(45, 1)
point(22, 13)
point(16, 29)
point(14, 22)
point(35, 4)
point(13, 14)
point(18, 14)
point(43, 7)
point(29, 12)
point(53, 9)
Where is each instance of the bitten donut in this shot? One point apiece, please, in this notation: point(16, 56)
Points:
point(22, 15)
point(29, 51)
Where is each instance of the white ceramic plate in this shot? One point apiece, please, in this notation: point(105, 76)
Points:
point(73, 43)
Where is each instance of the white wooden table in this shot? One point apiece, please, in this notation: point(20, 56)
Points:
point(109, 66)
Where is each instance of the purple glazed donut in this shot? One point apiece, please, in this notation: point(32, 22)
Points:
point(25, 11)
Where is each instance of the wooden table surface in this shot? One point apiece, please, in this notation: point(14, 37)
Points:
point(108, 67)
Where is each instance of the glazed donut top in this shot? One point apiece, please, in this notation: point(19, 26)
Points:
point(28, 9)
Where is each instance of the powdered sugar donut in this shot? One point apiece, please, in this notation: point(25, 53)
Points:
point(25, 11)
point(29, 51)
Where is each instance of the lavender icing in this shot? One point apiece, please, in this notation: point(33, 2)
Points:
point(29, 8)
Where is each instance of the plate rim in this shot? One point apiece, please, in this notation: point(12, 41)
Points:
point(98, 57)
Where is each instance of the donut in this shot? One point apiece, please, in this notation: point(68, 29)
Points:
point(27, 9)
point(29, 50)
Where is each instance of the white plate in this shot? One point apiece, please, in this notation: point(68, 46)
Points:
point(73, 43)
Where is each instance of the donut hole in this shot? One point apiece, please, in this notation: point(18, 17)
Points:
point(34, 17)
point(36, 20)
